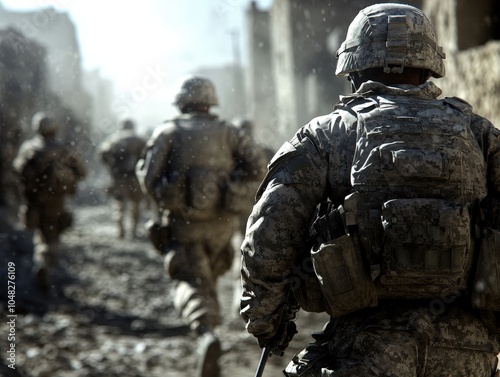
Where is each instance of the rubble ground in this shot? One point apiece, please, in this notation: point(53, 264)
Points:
point(109, 312)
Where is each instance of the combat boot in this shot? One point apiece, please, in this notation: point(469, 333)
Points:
point(209, 351)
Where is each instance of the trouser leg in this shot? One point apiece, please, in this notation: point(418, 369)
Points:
point(136, 213)
point(195, 295)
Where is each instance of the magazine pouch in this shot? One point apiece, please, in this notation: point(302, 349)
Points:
point(344, 280)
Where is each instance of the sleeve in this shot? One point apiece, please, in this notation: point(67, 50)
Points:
point(152, 166)
point(249, 168)
point(276, 238)
point(489, 140)
point(249, 157)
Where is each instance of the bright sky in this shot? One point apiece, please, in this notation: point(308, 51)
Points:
point(129, 40)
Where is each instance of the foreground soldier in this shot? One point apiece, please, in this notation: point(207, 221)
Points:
point(49, 172)
point(402, 257)
point(120, 152)
point(201, 172)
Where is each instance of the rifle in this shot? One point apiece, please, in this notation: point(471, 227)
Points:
point(266, 351)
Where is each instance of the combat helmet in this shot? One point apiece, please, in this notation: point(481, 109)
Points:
point(128, 124)
point(196, 90)
point(390, 36)
point(44, 123)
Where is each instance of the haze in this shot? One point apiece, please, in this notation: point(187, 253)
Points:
point(127, 40)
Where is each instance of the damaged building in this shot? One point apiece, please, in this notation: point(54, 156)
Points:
point(291, 49)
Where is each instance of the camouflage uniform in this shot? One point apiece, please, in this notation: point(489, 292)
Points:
point(49, 171)
point(120, 152)
point(201, 173)
point(398, 332)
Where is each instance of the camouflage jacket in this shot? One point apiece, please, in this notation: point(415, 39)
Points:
point(36, 155)
point(313, 166)
point(121, 151)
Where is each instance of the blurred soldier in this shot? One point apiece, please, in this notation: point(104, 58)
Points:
point(247, 127)
point(120, 153)
point(202, 173)
point(394, 181)
point(11, 133)
point(49, 171)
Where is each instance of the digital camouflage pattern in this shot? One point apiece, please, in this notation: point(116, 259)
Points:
point(198, 169)
point(402, 339)
point(391, 36)
point(317, 164)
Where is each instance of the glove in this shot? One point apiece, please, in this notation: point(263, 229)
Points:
point(278, 343)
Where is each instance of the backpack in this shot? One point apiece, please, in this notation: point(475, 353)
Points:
point(417, 174)
point(199, 168)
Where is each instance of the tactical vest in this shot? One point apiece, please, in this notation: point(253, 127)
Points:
point(199, 166)
point(46, 175)
point(417, 174)
point(125, 153)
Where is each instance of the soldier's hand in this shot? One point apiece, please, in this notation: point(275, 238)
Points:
point(279, 341)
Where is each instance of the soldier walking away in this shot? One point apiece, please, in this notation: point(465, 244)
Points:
point(201, 173)
point(246, 126)
point(385, 215)
point(49, 171)
point(120, 153)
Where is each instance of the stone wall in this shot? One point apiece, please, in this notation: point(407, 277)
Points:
point(472, 60)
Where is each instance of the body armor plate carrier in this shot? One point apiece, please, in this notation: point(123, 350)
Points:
point(417, 173)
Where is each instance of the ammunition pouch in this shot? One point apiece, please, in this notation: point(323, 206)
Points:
point(486, 285)
point(204, 191)
point(427, 248)
point(311, 360)
point(339, 267)
point(169, 194)
point(344, 281)
point(308, 362)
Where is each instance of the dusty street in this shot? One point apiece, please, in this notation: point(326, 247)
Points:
point(109, 312)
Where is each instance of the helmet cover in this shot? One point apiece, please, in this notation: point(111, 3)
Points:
point(390, 36)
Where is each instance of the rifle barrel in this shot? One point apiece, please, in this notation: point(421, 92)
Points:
point(262, 363)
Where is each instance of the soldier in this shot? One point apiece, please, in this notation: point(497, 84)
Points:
point(49, 171)
point(246, 126)
point(120, 153)
point(399, 179)
point(202, 173)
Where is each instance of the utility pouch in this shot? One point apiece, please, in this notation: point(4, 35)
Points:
point(159, 235)
point(427, 248)
point(169, 193)
point(308, 362)
point(203, 190)
point(346, 284)
point(486, 286)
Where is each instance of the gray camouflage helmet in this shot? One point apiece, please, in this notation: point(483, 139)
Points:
point(128, 124)
point(44, 123)
point(390, 36)
point(196, 90)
